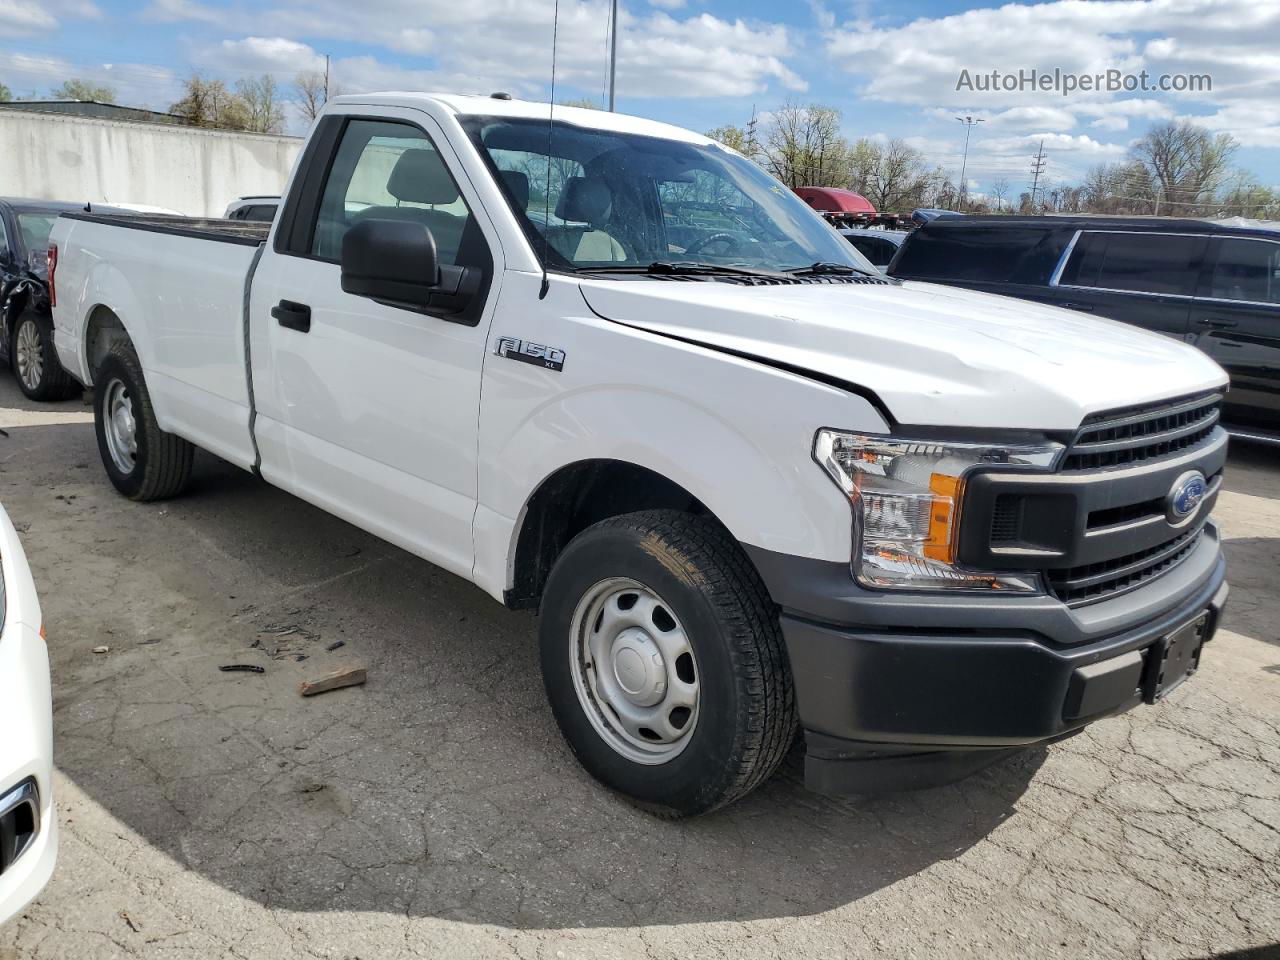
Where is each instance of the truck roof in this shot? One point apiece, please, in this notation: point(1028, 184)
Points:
point(499, 106)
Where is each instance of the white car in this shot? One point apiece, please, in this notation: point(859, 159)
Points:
point(28, 827)
point(749, 482)
point(256, 209)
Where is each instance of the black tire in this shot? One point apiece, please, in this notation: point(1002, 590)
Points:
point(51, 381)
point(162, 464)
point(746, 716)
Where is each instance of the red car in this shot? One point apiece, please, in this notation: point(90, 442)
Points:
point(835, 200)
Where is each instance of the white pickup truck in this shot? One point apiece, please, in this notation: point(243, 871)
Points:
point(609, 369)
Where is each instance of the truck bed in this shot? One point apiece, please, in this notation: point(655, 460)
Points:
point(247, 232)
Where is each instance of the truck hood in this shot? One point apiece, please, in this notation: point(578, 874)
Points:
point(934, 355)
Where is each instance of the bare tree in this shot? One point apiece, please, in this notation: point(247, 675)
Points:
point(312, 95)
point(1186, 162)
point(1000, 190)
point(261, 99)
point(208, 103)
point(899, 179)
point(1247, 198)
point(803, 147)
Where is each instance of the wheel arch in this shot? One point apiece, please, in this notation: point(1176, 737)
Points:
point(572, 498)
point(103, 328)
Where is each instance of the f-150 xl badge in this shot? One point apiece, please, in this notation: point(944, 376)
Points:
point(526, 351)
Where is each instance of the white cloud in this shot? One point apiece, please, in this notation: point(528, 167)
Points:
point(19, 17)
point(495, 45)
point(24, 17)
point(172, 11)
point(275, 55)
point(1234, 41)
point(135, 84)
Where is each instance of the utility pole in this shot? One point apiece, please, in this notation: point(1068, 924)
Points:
point(969, 123)
point(1037, 166)
point(751, 134)
point(326, 78)
point(613, 57)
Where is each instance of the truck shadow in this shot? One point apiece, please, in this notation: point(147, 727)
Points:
point(442, 788)
point(1252, 563)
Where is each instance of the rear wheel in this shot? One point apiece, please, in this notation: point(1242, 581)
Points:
point(35, 362)
point(143, 462)
point(664, 662)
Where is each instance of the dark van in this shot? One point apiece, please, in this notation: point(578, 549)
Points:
point(1215, 286)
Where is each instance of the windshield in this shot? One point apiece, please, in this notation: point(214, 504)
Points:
point(605, 199)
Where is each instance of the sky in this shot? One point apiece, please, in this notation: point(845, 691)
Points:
point(894, 68)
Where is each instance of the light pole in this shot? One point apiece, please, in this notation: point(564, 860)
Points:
point(969, 123)
point(613, 55)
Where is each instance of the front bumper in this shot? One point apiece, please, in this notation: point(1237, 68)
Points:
point(26, 729)
point(897, 691)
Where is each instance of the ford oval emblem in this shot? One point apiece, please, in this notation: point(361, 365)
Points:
point(1186, 496)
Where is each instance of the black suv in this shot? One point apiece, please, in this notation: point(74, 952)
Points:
point(1215, 286)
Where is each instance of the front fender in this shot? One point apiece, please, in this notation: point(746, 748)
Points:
point(736, 434)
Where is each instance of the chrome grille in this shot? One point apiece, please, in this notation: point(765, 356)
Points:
point(1142, 434)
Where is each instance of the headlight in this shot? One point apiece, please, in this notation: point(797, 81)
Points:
point(906, 497)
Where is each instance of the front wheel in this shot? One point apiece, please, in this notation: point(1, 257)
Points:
point(664, 662)
point(35, 362)
point(143, 462)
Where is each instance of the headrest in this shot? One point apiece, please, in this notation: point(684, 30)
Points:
point(584, 200)
point(420, 177)
point(518, 185)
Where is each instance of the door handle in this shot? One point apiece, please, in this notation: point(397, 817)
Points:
point(295, 316)
point(1081, 307)
point(1217, 323)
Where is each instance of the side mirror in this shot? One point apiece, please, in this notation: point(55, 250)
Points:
point(392, 260)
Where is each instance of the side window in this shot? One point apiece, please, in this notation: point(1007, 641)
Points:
point(4, 242)
point(1140, 262)
point(1246, 270)
point(389, 171)
point(878, 251)
point(961, 251)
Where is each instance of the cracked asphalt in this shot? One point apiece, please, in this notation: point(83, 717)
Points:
point(435, 812)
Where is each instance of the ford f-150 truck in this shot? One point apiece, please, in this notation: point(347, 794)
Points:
point(613, 371)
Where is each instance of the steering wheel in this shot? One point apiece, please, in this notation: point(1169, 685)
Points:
point(733, 241)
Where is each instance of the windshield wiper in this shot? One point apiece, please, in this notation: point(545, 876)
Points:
point(826, 268)
point(689, 268)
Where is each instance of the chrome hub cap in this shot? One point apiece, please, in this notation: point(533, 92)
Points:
point(120, 428)
point(30, 355)
point(634, 671)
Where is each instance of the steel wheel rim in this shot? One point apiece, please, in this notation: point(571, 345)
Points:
point(30, 355)
point(119, 426)
point(634, 671)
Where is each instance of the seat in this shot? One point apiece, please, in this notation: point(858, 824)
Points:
point(420, 177)
point(586, 200)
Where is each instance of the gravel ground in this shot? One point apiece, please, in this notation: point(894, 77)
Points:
point(436, 812)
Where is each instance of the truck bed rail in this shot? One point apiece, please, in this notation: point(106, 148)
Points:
point(250, 233)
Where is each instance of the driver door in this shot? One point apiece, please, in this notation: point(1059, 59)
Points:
point(367, 409)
